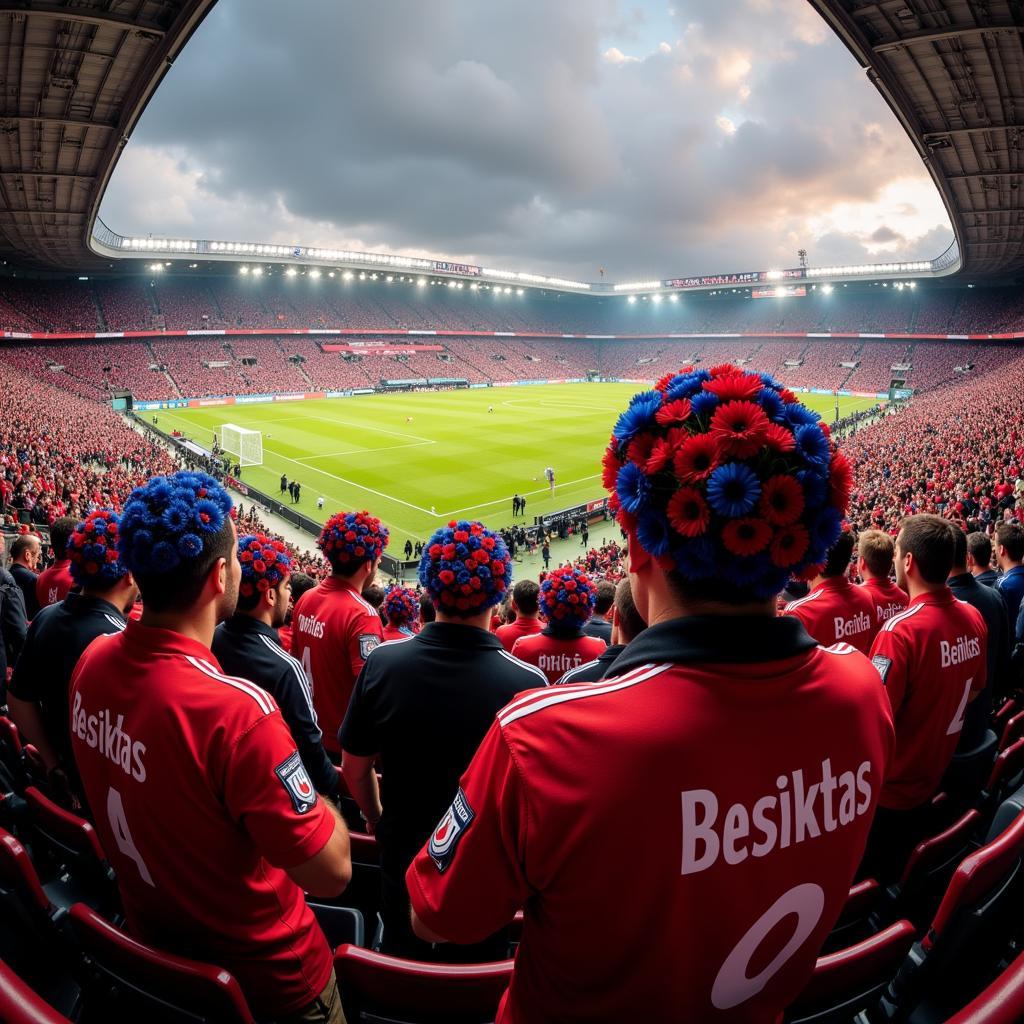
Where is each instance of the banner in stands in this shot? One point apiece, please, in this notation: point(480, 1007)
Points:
point(586, 509)
point(380, 348)
point(237, 484)
point(444, 267)
point(781, 291)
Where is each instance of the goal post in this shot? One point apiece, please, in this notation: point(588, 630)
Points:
point(246, 445)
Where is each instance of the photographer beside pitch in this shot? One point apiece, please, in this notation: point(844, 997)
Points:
point(657, 826)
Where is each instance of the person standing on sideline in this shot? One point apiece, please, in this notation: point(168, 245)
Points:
point(545, 553)
point(717, 708)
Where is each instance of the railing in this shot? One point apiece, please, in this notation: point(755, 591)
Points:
point(948, 259)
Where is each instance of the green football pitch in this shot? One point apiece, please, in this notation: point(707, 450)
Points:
point(417, 460)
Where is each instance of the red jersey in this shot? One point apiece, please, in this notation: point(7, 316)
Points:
point(397, 632)
point(752, 786)
point(836, 611)
point(54, 583)
point(932, 659)
point(887, 598)
point(202, 804)
point(510, 633)
point(555, 655)
point(284, 636)
point(333, 631)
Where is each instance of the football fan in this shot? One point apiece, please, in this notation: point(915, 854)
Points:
point(626, 626)
point(422, 706)
point(202, 803)
point(750, 757)
point(247, 645)
point(567, 598)
point(54, 583)
point(524, 602)
point(875, 551)
point(334, 627)
point(401, 612)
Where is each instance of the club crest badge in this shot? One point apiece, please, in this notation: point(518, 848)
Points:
point(295, 779)
point(449, 831)
point(367, 642)
point(882, 665)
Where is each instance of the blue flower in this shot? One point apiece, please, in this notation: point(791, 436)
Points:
point(177, 515)
point(213, 512)
point(632, 487)
point(797, 415)
point(159, 490)
point(733, 490)
point(189, 545)
point(812, 444)
point(704, 403)
point(745, 571)
point(685, 385)
point(695, 559)
point(164, 557)
point(825, 529)
point(814, 481)
point(638, 416)
point(771, 382)
point(652, 531)
point(99, 525)
point(771, 403)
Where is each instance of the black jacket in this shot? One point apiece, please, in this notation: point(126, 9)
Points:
point(594, 670)
point(26, 580)
point(13, 627)
point(250, 649)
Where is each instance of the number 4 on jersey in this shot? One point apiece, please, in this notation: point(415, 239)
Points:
point(123, 834)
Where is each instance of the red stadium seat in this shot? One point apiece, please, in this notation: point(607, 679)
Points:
point(73, 849)
point(1007, 710)
point(1005, 775)
point(138, 982)
point(1001, 1003)
point(390, 990)
point(20, 1005)
point(364, 849)
point(1012, 731)
point(974, 921)
point(849, 980)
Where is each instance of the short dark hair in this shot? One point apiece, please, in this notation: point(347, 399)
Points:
point(427, 611)
point(374, 593)
point(59, 533)
point(301, 582)
point(876, 548)
point(627, 618)
point(1011, 537)
point(837, 562)
point(180, 589)
point(22, 543)
point(959, 546)
point(930, 540)
point(605, 597)
point(525, 594)
point(979, 547)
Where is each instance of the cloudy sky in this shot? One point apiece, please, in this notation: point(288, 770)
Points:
point(648, 137)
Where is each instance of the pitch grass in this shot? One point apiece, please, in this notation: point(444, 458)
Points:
point(453, 460)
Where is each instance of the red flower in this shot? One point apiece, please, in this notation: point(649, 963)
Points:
point(724, 368)
point(660, 457)
point(259, 565)
point(481, 556)
point(446, 576)
point(640, 448)
point(498, 568)
point(787, 396)
point(350, 536)
point(245, 556)
point(778, 439)
point(840, 481)
point(746, 536)
point(688, 512)
point(696, 458)
point(448, 551)
point(673, 412)
point(461, 536)
point(263, 585)
point(734, 387)
point(434, 551)
point(662, 382)
point(610, 466)
point(488, 543)
point(789, 545)
point(782, 500)
point(470, 564)
point(740, 428)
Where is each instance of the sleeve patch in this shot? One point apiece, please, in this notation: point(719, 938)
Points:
point(295, 779)
point(449, 831)
point(367, 642)
point(882, 665)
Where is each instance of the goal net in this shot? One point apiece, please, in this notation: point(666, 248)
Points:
point(245, 445)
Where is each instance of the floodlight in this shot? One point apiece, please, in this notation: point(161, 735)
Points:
point(422, 281)
point(257, 271)
point(631, 300)
point(673, 298)
point(656, 299)
point(314, 273)
point(291, 272)
point(827, 289)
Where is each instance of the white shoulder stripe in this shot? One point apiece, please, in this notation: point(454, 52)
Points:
point(391, 643)
point(902, 617)
point(526, 698)
point(524, 664)
point(118, 624)
point(840, 648)
point(259, 695)
point(296, 666)
point(801, 601)
point(579, 691)
point(568, 677)
point(366, 604)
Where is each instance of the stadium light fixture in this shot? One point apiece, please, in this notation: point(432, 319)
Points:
point(291, 272)
point(421, 281)
point(348, 275)
point(827, 289)
point(519, 291)
point(362, 277)
point(314, 273)
point(673, 298)
point(508, 291)
point(474, 286)
point(389, 278)
point(257, 271)
point(656, 299)
point(631, 300)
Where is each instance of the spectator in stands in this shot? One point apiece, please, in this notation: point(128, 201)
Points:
point(213, 828)
point(13, 624)
point(524, 605)
point(25, 554)
point(427, 613)
point(301, 582)
point(567, 598)
point(1010, 556)
point(875, 551)
point(933, 661)
point(335, 626)
point(54, 583)
point(401, 610)
point(598, 624)
point(979, 559)
point(626, 626)
point(59, 635)
point(997, 653)
point(423, 707)
point(718, 707)
point(247, 645)
point(835, 611)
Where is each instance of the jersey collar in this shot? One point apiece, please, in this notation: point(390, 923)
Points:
point(713, 638)
point(941, 596)
point(575, 635)
point(454, 634)
point(80, 603)
point(152, 641)
point(245, 624)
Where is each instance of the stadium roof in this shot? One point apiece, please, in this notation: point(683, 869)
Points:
point(77, 76)
point(953, 73)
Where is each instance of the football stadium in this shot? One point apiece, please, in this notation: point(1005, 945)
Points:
point(512, 515)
